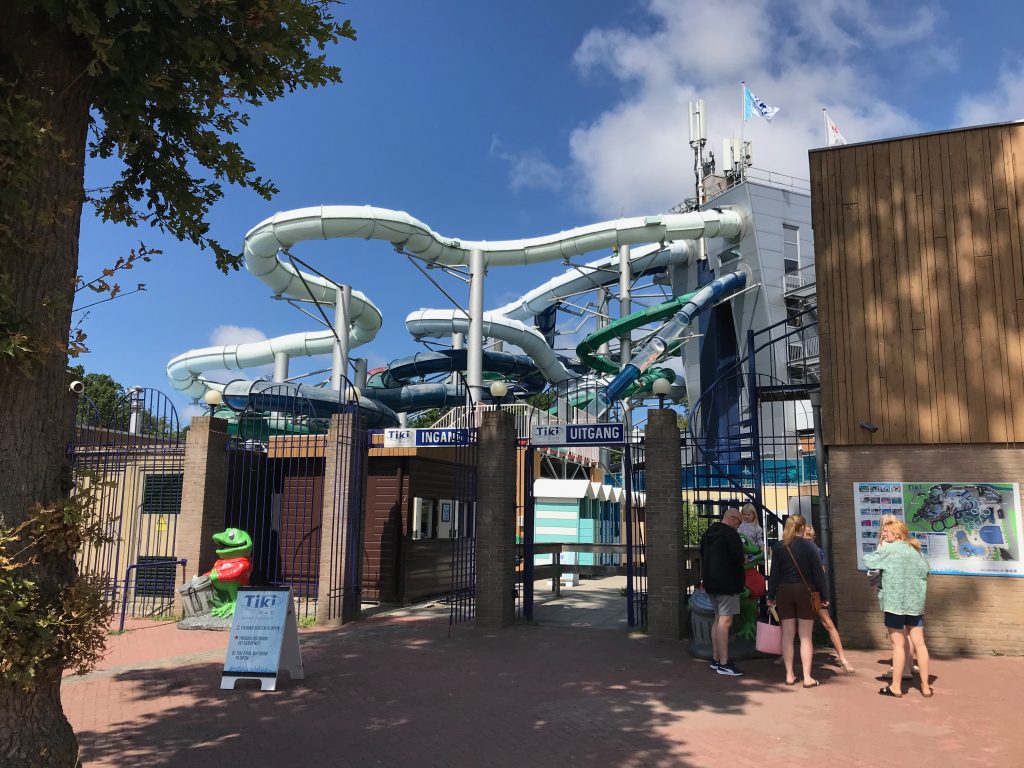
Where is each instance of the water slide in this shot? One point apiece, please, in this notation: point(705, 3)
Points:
point(513, 323)
point(391, 385)
point(667, 338)
point(408, 235)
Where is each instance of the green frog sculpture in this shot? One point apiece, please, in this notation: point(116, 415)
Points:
point(231, 571)
point(746, 623)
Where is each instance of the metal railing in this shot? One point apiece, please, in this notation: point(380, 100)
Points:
point(798, 280)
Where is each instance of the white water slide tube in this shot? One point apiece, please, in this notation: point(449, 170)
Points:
point(507, 323)
point(284, 230)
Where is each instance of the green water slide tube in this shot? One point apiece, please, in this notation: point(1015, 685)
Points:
point(587, 349)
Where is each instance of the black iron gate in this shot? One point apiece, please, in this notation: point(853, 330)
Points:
point(622, 549)
point(296, 480)
point(130, 458)
point(461, 598)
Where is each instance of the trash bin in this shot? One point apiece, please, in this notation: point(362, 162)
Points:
point(196, 596)
point(702, 615)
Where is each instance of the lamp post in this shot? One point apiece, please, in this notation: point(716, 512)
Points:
point(213, 398)
point(661, 387)
point(498, 391)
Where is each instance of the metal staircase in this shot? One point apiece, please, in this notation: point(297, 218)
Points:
point(749, 437)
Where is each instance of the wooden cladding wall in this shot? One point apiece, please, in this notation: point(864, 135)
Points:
point(920, 279)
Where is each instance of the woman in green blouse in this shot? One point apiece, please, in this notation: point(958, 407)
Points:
point(902, 596)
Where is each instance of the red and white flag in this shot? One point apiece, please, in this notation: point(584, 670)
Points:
point(832, 134)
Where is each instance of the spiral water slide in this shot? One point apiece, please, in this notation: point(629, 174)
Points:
point(408, 235)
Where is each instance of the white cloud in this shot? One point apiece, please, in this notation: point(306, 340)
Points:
point(223, 335)
point(635, 157)
point(1004, 102)
point(528, 169)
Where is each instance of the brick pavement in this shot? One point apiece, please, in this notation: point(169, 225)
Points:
point(397, 691)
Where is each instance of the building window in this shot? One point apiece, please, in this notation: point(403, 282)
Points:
point(161, 494)
point(155, 576)
point(790, 248)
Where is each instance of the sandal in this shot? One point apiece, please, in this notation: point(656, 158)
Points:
point(813, 684)
point(887, 691)
point(931, 692)
point(791, 682)
point(847, 667)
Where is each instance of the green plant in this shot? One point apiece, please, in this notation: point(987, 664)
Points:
point(306, 621)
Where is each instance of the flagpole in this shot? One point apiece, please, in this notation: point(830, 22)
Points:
point(743, 125)
point(824, 114)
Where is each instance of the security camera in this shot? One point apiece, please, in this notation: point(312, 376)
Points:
point(76, 387)
point(868, 426)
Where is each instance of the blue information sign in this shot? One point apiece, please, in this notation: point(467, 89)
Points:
point(578, 434)
point(425, 438)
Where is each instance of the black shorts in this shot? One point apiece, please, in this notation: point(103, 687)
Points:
point(793, 601)
point(901, 620)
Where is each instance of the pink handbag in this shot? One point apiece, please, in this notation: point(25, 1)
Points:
point(769, 636)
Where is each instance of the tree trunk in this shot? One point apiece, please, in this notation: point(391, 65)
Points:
point(38, 262)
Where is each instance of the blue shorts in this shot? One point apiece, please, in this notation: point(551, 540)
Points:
point(901, 620)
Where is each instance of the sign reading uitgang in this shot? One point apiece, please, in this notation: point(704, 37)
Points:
point(425, 438)
point(578, 434)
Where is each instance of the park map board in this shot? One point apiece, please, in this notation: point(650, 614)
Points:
point(964, 528)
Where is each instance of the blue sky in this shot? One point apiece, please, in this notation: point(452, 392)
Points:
point(505, 120)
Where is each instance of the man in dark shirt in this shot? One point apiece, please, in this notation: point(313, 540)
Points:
point(721, 554)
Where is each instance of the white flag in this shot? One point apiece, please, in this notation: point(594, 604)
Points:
point(834, 137)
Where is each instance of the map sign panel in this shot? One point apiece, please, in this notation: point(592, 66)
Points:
point(963, 527)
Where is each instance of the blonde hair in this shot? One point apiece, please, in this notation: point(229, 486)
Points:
point(809, 529)
point(794, 529)
point(899, 529)
point(748, 508)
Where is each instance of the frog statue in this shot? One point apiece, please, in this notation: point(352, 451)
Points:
point(746, 622)
point(231, 571)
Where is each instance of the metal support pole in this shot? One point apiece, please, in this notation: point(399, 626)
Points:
point(824, 519)
point(625, 308)
point(475, 350)
point(360, 378)
point(281, 360)
point(339, 364)
point(529, 523)
point(627, 482)
point(602, 316)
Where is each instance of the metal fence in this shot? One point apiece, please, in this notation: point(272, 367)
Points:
point(296, 474)
point(129, 457)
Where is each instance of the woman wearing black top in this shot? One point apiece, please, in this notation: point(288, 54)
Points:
point(796, 566)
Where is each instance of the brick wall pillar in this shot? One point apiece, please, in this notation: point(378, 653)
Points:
point(664, 537)
point(344, 502)
point(203, 490)
point(496, 521)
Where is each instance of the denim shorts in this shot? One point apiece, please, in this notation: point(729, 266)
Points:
point(900, 620)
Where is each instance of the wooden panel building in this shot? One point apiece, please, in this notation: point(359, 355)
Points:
point(920, 272)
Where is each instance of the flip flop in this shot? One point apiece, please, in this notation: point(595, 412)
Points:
point(792, 682)
point(887, 691)
point(931, 692)
point(815, 684)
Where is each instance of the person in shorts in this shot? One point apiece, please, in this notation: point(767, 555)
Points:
point(796, 572)
point(902, 599)
point(721, 553)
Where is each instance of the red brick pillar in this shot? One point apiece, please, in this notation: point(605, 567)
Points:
point(345, 467)
point(203, 489)
point(663, 545)
point(496, 521)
